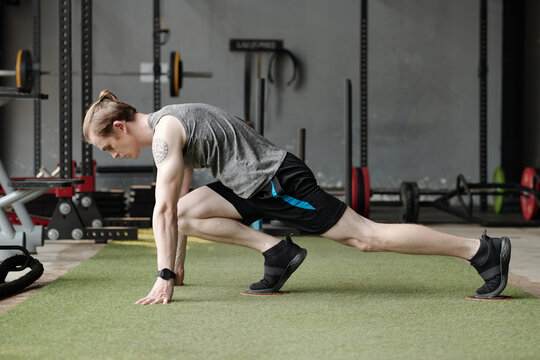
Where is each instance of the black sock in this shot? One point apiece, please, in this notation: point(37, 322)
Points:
point(482, 254)
point(278, 254)
point(276, 260)
point(488, 255)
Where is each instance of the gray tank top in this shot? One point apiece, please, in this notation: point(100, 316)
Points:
point(237, 155)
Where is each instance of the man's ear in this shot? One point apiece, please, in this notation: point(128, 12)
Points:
point(120, 125)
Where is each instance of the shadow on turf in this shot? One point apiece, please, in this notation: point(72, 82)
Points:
point(397, 290)
point(375, 289)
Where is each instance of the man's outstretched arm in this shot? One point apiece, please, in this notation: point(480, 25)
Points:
point(182, 239)
point(167, 152)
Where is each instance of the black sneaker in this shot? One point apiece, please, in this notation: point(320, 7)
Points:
point(494, 270)
point(280, 262)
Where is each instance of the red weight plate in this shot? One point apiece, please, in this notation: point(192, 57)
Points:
point(354, 190)
point(529, 207)
point(361, 198)
point(367, 191)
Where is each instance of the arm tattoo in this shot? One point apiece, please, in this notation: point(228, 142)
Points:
point(160, 149)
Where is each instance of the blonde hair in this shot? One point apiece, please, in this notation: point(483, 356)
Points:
point(100, 116)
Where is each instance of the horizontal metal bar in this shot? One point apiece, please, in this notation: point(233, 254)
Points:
point(31, 195)
point(14, 197)
point(124, 169)
point(111, 233)
point(193, 74)
point(190, 74)
point(441, 205)
point(139, 222)
point(187, 74)
point(13, 92)
point(35, 183)
point(380, 191)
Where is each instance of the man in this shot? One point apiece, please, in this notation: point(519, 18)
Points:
point(255, 179)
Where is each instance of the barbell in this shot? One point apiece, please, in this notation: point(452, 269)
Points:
point(409, 194)
point(25, 72)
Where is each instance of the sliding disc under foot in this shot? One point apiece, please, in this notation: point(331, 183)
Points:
point(495, 298)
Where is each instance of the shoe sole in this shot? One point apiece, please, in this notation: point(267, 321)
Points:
point(269, 293)
point(506, 250)
point(289, 270)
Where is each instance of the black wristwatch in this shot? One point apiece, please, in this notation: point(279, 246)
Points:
point(166, 274)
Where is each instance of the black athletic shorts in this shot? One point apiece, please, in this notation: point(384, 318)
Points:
point(292, 196)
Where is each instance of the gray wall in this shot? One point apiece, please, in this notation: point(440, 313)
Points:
point(531, 105)
point(423, 84)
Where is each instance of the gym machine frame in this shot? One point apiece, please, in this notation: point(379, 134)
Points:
point(26, 237)
point(28, 73)
point(80, 221)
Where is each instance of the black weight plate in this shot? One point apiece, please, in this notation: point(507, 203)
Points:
point(415, 192)
point(405, 199)
point(410, 205)
point(23, 69)
point(175, 74)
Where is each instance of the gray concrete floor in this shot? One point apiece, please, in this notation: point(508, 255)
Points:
point(58, 257)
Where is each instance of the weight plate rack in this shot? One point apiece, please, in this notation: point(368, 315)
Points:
point(81, 220)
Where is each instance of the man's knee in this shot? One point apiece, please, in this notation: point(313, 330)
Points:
point(184, 216)
point(368, 237)
point(367, 247)
point(181, 211)
point(359, 245)
point(184, 225)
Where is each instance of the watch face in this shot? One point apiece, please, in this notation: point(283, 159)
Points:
point(166, 274)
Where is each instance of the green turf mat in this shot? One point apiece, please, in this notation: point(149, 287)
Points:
point(341, 304)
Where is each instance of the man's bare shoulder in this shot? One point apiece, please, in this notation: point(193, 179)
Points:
point(171, 128)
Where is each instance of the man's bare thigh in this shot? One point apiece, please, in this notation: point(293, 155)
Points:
point(204, 203)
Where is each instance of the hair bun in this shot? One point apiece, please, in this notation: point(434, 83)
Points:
point(107, 95)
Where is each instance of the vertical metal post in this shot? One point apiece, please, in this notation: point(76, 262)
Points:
point(157, 58)
point(86, 206)
point(363, 84)
point(258, 225)
point(247, 88)
point(260, 117)
point(483, 70)
point(66, 223)
point(348, 141)
point(65, 89)
point(86, 80)
point(36, 68)
point(513, 85)
point(302, 144)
